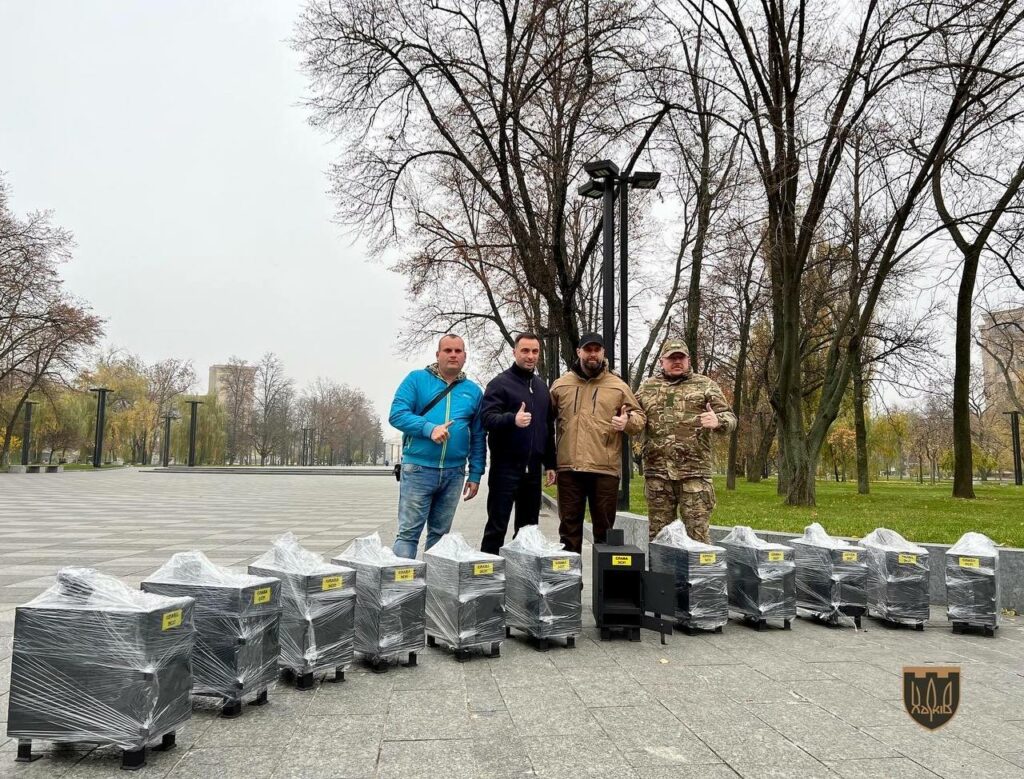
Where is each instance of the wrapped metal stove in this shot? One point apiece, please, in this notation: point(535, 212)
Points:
point(897, 578)
point(318, 601)
point(237, 618)
point(701, 577)
point(762, 577)
point(465, 597)
point(390, 601)
point(972, 584)
point(96, 661)
point(831, 576)
point(543, 588)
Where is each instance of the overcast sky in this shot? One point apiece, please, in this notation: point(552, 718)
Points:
point(169, 139)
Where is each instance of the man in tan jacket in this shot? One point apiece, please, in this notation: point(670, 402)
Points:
point(593, 409)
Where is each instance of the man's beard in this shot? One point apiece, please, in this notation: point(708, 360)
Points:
point(592, 369)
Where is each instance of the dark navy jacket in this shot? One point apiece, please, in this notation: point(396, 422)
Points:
point(526, 448)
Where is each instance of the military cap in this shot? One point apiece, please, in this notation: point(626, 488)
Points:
point(674, 347)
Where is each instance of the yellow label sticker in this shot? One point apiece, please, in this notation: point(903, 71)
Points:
point(849, 557)
point(332, 583)
point(171, 619)
point(908, 559)
point(262, 595)
point(405, 574)
point(776, 557)
point(482, 569)
point(562, 564)
point(622, 559)
point(706, 558)
point(970, 562)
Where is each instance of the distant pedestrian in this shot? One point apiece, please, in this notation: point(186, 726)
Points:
point(521, 438)
point(682, 408)
point(437, 411)
point(594, 408)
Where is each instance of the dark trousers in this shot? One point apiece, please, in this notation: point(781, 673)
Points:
point(508, 486)
point(575, 491)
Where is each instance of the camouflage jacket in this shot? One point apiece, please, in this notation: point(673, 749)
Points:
point(673, 444)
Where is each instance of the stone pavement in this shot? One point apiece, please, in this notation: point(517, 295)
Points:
point(814, 701)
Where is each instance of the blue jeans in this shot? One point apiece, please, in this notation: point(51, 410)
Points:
point(426, 496)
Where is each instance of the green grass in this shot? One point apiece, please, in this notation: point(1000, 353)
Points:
point(920, 512)
point(88, 467)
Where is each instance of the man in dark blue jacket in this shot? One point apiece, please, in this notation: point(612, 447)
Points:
point(516, 412)
point(437, 410)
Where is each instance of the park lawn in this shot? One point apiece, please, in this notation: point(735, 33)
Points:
point(920, 512)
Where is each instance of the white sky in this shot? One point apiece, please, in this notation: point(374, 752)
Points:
point(169, 139)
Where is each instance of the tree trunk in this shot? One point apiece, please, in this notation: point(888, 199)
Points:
point(758, 462)
point(963, 463)
point(859, 423)
point(737, 402)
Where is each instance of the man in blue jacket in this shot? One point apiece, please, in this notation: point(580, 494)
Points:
point(516, 413)
point(437, 410)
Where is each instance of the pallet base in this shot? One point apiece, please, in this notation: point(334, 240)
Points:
point(762, 623)
point(542, 644)
point(464, 653)
point(131, 759)
point(971, 627)
point(379, 665)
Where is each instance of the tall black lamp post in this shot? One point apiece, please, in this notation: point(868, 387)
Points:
point(26, 432)
point(1018, 475)
point(101, 419)
point(606, 182)
point(165, 457)
point(193, 427)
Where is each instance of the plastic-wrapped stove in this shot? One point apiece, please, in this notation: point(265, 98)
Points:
point(972, 584)
point(96, 661)
point(700, 574)
point(897, 578)
point(390, 602)
point(831, 576)
point(762, 578)
point(318, 601)
point(543, 588)
point(237, 618)
point(465, 597)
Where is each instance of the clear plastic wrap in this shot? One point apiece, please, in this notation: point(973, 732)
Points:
point(701, 576)
point(390, 599)
point(897, 577)
point(762, 576)
point(465, 594)
point(831, 575)
point(543, 586)
point(96, 661)
point(237, 618)
point(318, 602)
point(972, 581)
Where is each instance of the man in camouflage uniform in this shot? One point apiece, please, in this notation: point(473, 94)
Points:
point(682, 409)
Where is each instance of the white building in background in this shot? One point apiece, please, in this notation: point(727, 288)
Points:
point(220, 380)
point(1002, 356)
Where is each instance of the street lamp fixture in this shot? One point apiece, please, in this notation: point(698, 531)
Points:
point(101, 418)
point(606, 181)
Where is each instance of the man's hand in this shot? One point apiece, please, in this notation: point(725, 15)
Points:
point(441, 433)
point(470, 490)
point(619, 422)
point(709, 419)
point(551, 477)
point(523, 417)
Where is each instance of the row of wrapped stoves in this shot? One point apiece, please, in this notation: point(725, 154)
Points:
point(97, 661)
point(827, 577)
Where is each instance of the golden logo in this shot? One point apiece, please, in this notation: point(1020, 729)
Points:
point(931, 693)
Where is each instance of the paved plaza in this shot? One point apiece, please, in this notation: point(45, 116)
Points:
point(814, 701)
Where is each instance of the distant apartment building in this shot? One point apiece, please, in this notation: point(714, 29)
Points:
point(1002, 356)
point(223, 376)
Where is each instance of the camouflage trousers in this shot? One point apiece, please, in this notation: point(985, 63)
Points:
point(692, 499)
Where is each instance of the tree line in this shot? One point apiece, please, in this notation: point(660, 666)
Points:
point(841, 183)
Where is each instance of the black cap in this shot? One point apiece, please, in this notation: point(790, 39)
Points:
point(591, 338)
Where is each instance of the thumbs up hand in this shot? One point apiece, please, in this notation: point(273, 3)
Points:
point(709, 419)
point(523, 417)
point(619, 422)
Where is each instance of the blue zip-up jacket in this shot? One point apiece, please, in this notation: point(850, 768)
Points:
point(467, 438)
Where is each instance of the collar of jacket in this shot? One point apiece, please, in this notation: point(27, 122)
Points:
point(577, 368)
point(522, 373)
point(685, 377)
point(433, 368)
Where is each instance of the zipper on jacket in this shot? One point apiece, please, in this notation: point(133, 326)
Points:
point(447, 415)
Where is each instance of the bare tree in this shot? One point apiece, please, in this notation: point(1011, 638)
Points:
point(272, 392)
point(238, 387)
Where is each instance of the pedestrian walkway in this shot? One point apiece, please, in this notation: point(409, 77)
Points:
point(810, 702)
